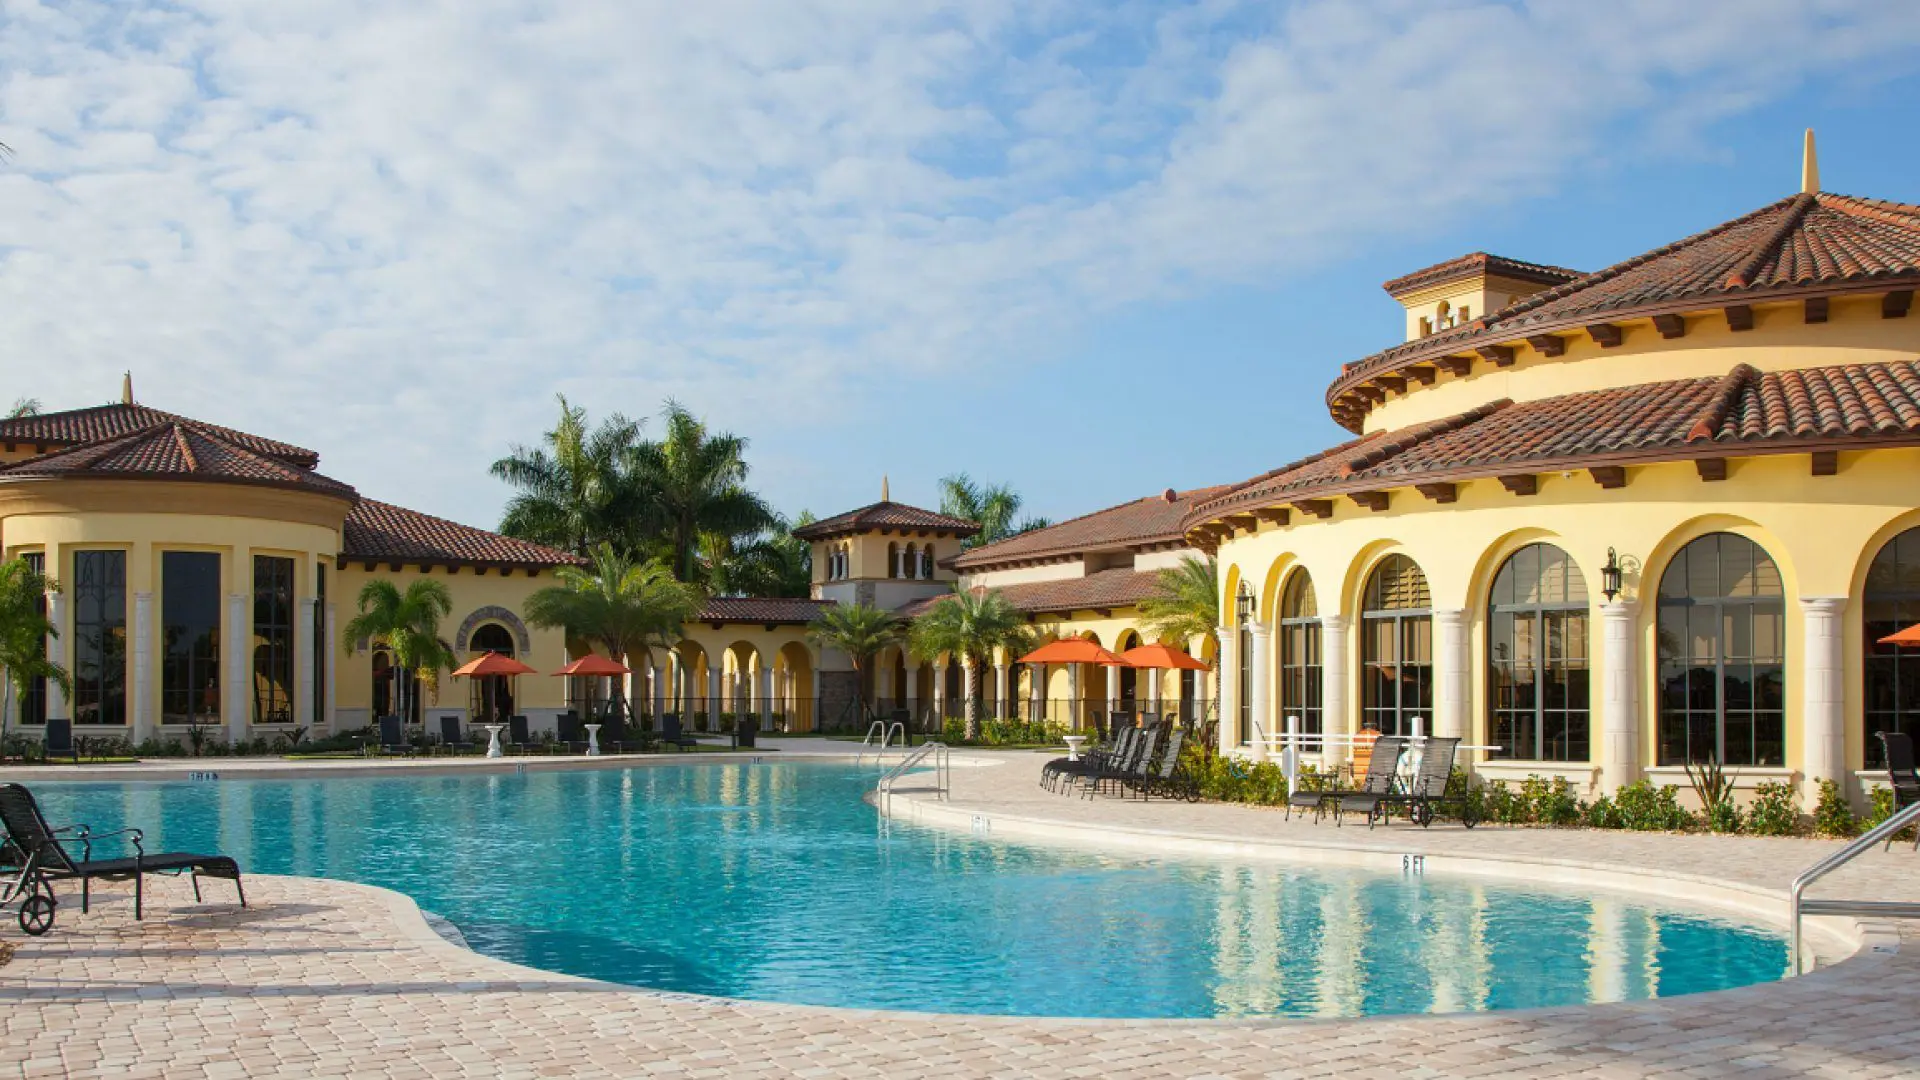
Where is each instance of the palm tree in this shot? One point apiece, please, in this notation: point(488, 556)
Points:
point(693, 483)
point(970, 625)
point(24, 630)
point(619, 603)
point(406, 625)
point(772, 563)
point(576, 491)
point(1187, 606)
point(860, 631)
point(992, 506)
point(23, 408)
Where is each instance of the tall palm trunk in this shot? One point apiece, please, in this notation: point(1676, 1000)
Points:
point(973, 701)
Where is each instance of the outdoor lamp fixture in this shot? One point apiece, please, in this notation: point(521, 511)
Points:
point(1610, 576)
point(1243, 605)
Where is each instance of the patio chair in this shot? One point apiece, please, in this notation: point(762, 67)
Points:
point(43, 855)
point(671, 735)
point(1901, 775)
point(450, 737)
point(1062, 770)
point(1120, 771)
point(1170, 778)
point(1423, 793)
point(519, 739)
point(59, 739)
point(1378, 780)
point(393, 737)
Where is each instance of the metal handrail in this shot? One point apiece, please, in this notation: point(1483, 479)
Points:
point(1900, 820)
point(942, 769)
point(886, 732)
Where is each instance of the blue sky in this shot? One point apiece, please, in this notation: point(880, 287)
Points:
point(1090, 249)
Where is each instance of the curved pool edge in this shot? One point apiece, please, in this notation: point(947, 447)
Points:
point(1828, 941)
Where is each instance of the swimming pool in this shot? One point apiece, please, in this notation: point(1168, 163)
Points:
point(776, 882)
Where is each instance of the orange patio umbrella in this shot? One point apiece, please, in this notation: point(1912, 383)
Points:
point(492, 663)
point(1909, 637)
point(1161, 656)
point(1070, 651)
point(594, 664)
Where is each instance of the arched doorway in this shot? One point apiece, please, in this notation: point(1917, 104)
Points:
point(1396, 683)
point(1892, 676)
point(1129, 677)
point(1723, 654)
point(1538, 701)
point(491, 696)
point(1300, 672)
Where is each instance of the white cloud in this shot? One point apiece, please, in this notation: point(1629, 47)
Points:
point(391, 230)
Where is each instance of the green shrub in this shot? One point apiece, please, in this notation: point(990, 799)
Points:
point(1551, 802)
point(1642, 808)
point(1723, 817)
point(1775, 810)
point(1602, 814)
point(1832, 815)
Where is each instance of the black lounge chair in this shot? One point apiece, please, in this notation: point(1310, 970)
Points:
point(671, 735)
point(1377, 781)
point(518, 737)
point(1119, 770)
point(450, 737)
point(1423, 794)
point(1065, 771)
point(1901, 775)
point(59, 741)
point(1169, 779)
point(41, 852)
point(393, 737)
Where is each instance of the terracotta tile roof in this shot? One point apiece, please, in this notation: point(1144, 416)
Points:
point(79, 426)
point(887, 515)
point(1480, 262)
point(1150, 520)
point(377, 531)
point(1742, 412)
point(768, 610)
point(175, 450)
point(1814, 243)
point(1106, 589)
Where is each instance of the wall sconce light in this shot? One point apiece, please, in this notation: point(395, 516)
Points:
point(1243, 605)
point(1611, 575)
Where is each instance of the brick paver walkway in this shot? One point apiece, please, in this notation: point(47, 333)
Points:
point(331, 979)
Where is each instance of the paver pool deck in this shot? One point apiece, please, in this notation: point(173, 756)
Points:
point(325, 978)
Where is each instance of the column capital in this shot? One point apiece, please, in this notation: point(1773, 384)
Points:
point(1449, 614)
point(1823, 605)
point(1619, 609)
point(1259, 629)
point(1224, 631)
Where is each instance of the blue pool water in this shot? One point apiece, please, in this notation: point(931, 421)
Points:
point(777, 882)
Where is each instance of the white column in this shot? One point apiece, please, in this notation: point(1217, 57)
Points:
point(713, 696)
point(1619, 696)
point(1113, 690)
point(1153, 688)
point(303, 663)
point(1229, 703)
point(142, 711)
point(1262, 722)
point(1333, 685)
point(57, 649)
point(1449, 719)
point(1002, 692)
point(766, 696)
point(1037, 691)
point(328, 681)
point(939, 691)
point(1823, 706)
point(656, 681)
point(238, 644)
point(910, 693)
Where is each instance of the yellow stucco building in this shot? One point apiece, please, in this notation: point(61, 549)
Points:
point(1608, 523)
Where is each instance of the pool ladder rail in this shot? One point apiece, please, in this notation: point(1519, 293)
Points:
point(886, 732)
point(942, 757)
point(1798, 905)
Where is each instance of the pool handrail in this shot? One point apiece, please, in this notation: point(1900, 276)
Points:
point(942, 757)
point(1797, 905)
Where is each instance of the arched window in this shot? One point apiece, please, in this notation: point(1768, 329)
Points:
point(1893, 672)
point(1397, 647)
point(1441, 318)
point(894, 565)
point(1723, 645)
point(1300, 652)
point(1129, 676)
point(491, 696)
point(1538, 705)
point(926, 561)
point(910, 565)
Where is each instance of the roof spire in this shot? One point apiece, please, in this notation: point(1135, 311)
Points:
point(1809, 167)
point(884, 495)
point(126, 388)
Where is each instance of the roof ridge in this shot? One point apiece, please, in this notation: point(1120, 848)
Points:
point(1860, 206)
point(1419, 433)
point(186, 448)
point(1742, 275)
point(1725, 393)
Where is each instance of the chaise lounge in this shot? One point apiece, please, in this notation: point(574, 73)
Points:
point(42, 855)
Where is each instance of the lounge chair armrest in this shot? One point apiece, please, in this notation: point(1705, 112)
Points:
point(86, 838)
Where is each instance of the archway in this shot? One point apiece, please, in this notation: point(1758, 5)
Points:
point(1721, 633)
point(1538, 686)
point(490, 697)
point(1891, 679)
point(1396, 684)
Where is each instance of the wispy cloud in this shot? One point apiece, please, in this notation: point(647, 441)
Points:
point(392, 230)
